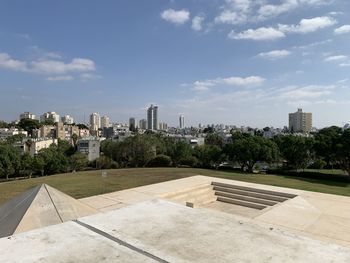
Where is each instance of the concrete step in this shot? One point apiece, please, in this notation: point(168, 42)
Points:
point(255, 190)
point(246, 198)
point(196, 198)
point(240, 202)
point(252, 194)
point(188, 190)
point(192, 194)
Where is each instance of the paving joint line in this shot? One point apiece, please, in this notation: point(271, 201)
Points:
point(121, 242)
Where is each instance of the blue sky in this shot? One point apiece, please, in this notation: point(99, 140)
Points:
point(240, 62)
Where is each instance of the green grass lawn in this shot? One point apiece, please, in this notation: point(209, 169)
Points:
point(89, 183)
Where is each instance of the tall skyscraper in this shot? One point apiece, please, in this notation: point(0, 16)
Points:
point(27, 115)
point(152, 117)
point(182, 121)
point(132, 124)
point(105, 122)
point(143, 124)
point(95, 123)
point(300, 121)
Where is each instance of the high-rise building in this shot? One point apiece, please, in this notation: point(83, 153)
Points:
point(152, 117)
point(105, 122)
point(50, 116)
point(163, 126)
point(300, 121)
point(67, 119)
point(132, 124)
point(95, 123)
point(143, 124)
point(27, 115)
point(182, 121)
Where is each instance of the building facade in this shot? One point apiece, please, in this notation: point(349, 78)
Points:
point(182, 121)
point(95, 123)
point(300, 121)
point(105, 123)
point(152, 118)
point(90, 147)
point(143, 124)
point(27, 115)
point(50, 116)
point(67, 119)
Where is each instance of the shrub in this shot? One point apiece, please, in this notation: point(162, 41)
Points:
point(160, 160)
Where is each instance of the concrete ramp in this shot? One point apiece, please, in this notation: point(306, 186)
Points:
point(39, 207)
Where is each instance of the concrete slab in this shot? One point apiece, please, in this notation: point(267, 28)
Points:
point(180, 234)
point(299, 214)
point(67, 242)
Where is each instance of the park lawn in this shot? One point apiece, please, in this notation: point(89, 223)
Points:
point(89, 183)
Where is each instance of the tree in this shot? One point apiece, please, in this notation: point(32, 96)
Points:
point(208, 156)
point(160, 160)
point(78, 161)
point(27, 164)
point(247, 150)
point(9, 160)
point(65, 147)
point(82, 126)
point(54, 160)
point(326, 141)
point(214, 139)
point(296, 150)
point(343, 151)
point(29, 125)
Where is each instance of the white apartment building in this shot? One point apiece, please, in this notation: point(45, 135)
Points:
point(89, 146)
point(5, 133)
point(50, 115)
point(105, 123)
point(95, 123)
point(67, 119)
point(27, 115)
point(33, 146)
point(300, 121)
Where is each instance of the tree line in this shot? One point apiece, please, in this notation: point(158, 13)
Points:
point(328, 148)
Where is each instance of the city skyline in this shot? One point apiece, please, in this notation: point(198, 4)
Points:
point(235, 62)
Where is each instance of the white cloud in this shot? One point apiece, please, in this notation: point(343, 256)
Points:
point(262, 33)
point(235, 12)
point(60, 67)
point(60, 78)
point(197, 23)
point(308, 25)
point(335, 58)
point(48, 66)
point(275, 54)
point(230, 81)
point(177, 17)
point(305, 92)
point(89, 76)
point(269, 10)
point(9, 63)
point(344, 64)
point(342, 30)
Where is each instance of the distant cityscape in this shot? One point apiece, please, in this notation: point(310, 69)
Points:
point(89, 135)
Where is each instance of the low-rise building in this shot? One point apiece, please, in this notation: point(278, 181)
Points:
point(5, 133)
point(89, 146)
point(33, 146)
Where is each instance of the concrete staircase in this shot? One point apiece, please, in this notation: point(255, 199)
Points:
point(197, 196)
point(247, 196)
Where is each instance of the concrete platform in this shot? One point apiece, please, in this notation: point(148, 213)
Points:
point(322, 216)
point(163, 231)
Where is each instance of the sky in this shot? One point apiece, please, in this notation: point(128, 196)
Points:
point(238, 62)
